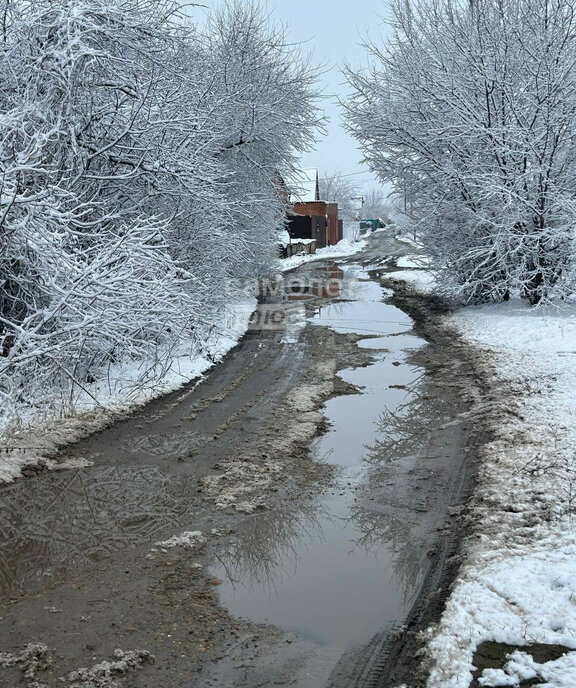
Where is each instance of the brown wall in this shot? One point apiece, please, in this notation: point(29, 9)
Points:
point(332, 229)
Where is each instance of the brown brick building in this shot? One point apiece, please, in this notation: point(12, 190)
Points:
point(310, 217)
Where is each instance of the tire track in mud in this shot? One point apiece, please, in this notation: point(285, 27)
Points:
point(75, 549)
point(251, 405)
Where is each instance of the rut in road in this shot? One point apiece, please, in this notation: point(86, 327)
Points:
point(81, 542)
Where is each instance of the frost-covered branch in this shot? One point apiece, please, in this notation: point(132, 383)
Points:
point(471, 112)
point(125, 208)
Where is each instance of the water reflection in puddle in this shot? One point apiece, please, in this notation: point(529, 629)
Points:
point(364, 317)
point(80, 516)
point(402, 342)
point(363, 312)
point(336, 577)
point(354, 419)
point(319, 582)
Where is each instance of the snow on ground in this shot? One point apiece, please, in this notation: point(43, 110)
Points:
point(190, 538)
point(414, 261)
point(518, 581)
point(413, 269)
point(37, 657)
point(408, 239)
point(346, 247)
point(521, 667)
point(114, 394)
point(517, 584)
point(108, 674)
point(421, 280)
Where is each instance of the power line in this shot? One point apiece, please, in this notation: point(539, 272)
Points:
point(349, 174)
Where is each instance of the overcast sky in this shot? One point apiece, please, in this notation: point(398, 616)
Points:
point(333, 31)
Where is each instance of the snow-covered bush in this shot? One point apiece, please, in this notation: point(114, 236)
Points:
point(136, 157)
point(470, 110)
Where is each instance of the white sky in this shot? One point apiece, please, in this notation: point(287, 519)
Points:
point(332, 31)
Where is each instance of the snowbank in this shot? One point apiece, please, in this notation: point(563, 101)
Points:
point(408, 239)
point(421, 280)
point(414, 261)
point(518, 581)
point(116, 393)
point(414, 270)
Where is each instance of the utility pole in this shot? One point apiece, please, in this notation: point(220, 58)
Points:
point(359, 212)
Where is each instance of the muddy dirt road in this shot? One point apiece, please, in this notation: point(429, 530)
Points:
point(290, 520)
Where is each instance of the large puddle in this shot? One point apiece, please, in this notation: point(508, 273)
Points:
point(329, 571)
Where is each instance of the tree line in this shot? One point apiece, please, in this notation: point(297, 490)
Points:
point(139, 160)
point(470, 110)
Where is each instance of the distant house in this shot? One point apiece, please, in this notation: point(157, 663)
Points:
point(310, 217)
point(287, 245)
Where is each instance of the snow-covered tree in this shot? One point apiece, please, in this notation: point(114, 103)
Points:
point(470, 110)
point(137, 158)
point(335, 186)
point(81, 258)
point(376, 204)
point(267, 118)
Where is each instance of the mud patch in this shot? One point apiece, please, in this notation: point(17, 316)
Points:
point(66, 520)
point(241, 483)
point(246, 483)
